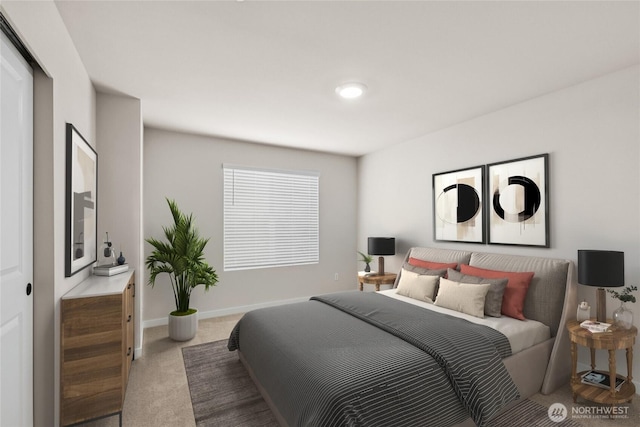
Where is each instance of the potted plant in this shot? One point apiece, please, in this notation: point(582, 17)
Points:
point(367, 260)
point(182, 258)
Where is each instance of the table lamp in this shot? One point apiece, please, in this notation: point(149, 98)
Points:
point(604, 269)
point(381, 246)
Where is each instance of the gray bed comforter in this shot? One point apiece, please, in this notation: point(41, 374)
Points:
point(363, 359)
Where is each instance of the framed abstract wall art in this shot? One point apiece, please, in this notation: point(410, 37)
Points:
point(81, 203)
point(458, 207)
point(518, 202)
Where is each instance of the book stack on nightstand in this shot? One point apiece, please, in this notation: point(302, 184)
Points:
point(595, 326)
point(600, 379)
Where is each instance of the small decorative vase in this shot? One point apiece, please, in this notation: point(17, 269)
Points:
point(121, 259)
point(367, 268)
point(623, 317)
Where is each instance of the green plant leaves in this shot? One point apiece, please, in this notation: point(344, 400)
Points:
point(181, 257)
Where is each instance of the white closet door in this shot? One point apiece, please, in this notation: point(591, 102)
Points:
point(16, 238)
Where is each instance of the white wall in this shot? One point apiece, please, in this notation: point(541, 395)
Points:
point(188, 168)
point(119, 137)
point(63, 93)
point(591, 132)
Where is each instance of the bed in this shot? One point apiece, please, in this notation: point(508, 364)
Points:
point(376, 359)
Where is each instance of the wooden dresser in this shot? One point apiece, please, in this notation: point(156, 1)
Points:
point(96, 347)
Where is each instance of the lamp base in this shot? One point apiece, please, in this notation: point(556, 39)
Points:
point(601, 306)
point(381, 266)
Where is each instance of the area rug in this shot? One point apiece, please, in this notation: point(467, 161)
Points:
point(222, 394)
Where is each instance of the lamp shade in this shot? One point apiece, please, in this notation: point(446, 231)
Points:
point(604, 269)
point(381, 246)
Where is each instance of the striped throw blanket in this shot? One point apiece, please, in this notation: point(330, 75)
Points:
point(362, 359)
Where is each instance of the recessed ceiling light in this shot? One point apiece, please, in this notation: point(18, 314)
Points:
point(351, 90)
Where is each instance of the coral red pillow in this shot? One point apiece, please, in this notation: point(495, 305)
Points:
point(432, 265)
point(514, 293)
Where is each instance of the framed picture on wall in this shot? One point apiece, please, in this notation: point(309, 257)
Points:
point(458, 208)
point(81, 203)
point(518, 199)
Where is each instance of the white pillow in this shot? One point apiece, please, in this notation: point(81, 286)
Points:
point(417, 286)
point(463, 297)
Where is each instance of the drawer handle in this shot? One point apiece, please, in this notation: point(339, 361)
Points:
point(129, 319)
point(129, 352)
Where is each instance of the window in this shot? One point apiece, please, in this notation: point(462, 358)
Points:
point(270, 218)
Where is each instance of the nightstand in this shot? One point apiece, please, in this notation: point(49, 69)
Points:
point(377, 279)
point(615, 339)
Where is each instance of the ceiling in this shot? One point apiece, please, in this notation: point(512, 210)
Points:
point(266, 71)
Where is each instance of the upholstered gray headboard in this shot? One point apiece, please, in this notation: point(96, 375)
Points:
point(546, 295)
point(552, 297)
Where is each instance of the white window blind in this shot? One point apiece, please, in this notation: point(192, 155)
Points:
point(271, 218)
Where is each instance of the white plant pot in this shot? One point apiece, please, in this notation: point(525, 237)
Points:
point(183, 328)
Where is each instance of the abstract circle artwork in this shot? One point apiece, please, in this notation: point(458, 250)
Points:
point(518, 202)
point(528, 196)
point(458, 205)
point(465, 199)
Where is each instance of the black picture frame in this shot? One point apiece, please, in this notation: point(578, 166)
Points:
point(458, 205)
point(81, 203)
point(518, 202)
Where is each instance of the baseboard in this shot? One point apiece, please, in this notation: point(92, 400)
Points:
point(137, 352)
point(226, 311)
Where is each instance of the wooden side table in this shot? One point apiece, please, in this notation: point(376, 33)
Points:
point(377, 279)
point(615, 339)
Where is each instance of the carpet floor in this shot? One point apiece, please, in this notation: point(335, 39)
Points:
point(222, 394)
